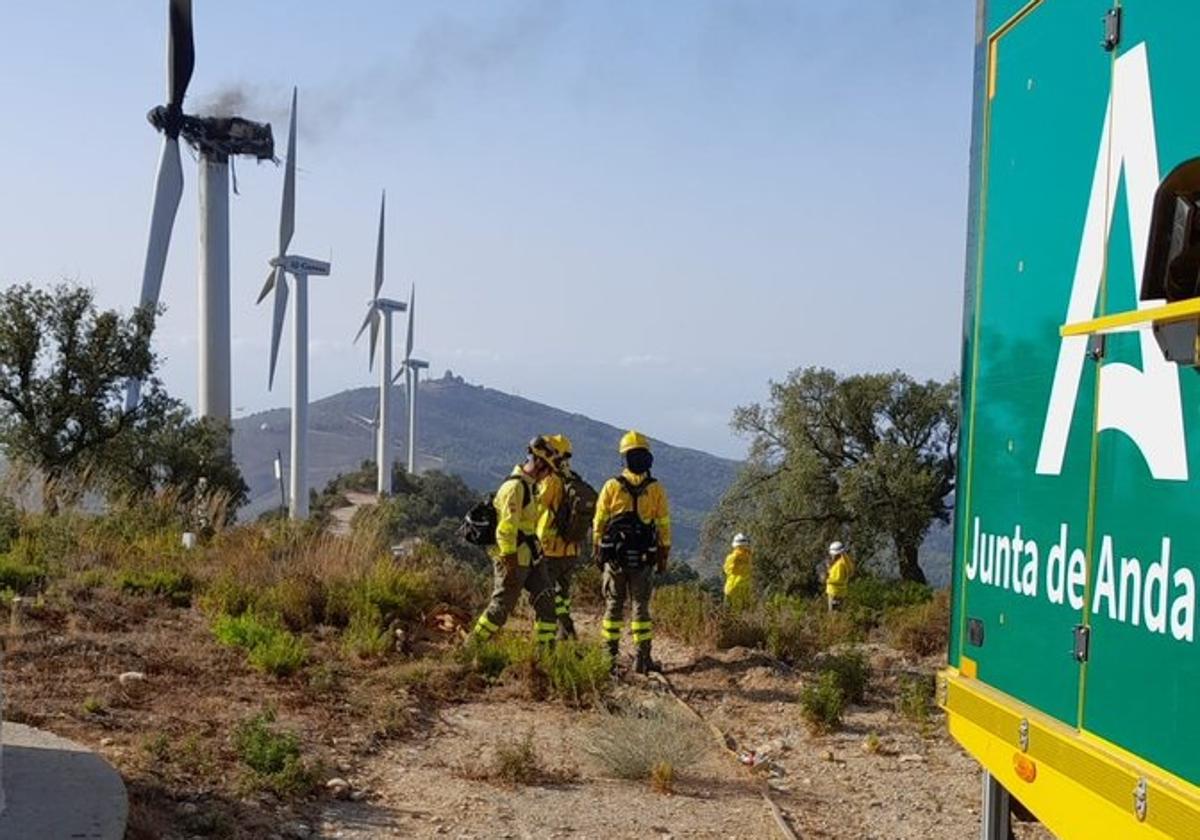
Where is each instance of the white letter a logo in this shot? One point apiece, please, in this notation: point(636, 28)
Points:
point(1143, 404)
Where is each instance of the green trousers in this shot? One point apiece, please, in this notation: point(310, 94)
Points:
point(506, 589)
point(619, 586)
point(559, 571)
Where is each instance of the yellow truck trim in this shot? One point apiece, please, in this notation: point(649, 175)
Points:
point(1084, 787)
point(1182, 310)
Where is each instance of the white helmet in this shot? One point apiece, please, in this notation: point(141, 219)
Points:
point(836, 548)
point(740, 540)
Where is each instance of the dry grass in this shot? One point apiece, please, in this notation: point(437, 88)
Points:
point(923, 629)
point(634, 740)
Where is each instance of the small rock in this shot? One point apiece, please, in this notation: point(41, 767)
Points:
point(339, 788)
point(912, 758)
point(298, 830)
point(187, 809)
point(344, 767)
point(107, 742)
point(131, 679)
point(359, 795)
point(827, 755)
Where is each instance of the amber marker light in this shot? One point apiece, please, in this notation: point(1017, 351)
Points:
point(1025, 767)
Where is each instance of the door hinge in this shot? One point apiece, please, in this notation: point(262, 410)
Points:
point(1112, 29)
point(1083, 642)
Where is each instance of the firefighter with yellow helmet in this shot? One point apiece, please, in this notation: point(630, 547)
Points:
point(516, 556)
point(567, 504)
point(631, 536)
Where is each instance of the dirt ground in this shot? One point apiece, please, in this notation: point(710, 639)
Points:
point(408, 755)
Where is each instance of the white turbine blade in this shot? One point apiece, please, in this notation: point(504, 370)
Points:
point(379, 248)
point(374, 339)
point(412, 303)
point(281, 301)
point(287, 210)
point(267, 287)
point(399, 373)
point(168, 190)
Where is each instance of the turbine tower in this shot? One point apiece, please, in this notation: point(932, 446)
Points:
point(216, 139)
point(411, 368)
point(300, 269)
point(379, 313)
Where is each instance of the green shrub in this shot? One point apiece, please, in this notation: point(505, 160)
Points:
point(880, 595)
point(365, 636)
point(299, 600)
point(268, 646)
point(922, 629)
point(915, 700)
point(851, 672)
point(398, 594)
point(686, 612)
point(273, 757)
point(164, 582)
point(791, 628)
point(822, 703)
point(19, 576)
point(574, 672)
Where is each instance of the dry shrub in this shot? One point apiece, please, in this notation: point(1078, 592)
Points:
point(922, 629)
point(518, 763)
point(662, 778)
point(630, 742)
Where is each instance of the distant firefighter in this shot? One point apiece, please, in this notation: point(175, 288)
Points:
point(738, 569)
point(837, 578)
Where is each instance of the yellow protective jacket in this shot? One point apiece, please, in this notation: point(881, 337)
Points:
point(651, 507)
point(516, 516)
point(837, 582)
point(737, 570)
point(551, 494)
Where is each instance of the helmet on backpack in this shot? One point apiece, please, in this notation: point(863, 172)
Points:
point(633, 440)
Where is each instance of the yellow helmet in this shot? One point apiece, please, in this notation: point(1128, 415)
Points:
point(541, 447)
point(562, 445)
point(634, 440)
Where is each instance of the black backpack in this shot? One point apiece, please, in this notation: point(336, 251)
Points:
point(628, 542)
point(479, 525)
point(574, 515)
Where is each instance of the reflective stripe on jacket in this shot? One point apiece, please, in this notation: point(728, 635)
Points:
point(652, 506)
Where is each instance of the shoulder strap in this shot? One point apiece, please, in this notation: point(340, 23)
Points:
point(524, 488)
point(635, 491)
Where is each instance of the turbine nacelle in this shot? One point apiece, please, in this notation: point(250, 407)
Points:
point(300, 265)
point(389, 305)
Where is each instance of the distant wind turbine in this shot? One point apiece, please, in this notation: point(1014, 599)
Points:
point(411, 368)
point(379, 313)
point(300, 269)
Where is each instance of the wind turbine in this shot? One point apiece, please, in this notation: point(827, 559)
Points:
point(300, 269)
point(379, 312)
point(216, 139)
point(411, 368)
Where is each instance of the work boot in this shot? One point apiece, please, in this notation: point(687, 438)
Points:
point(644, 664)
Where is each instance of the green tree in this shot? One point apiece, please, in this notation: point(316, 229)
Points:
point(64, 366)
point(868, 458)
point(63, 369)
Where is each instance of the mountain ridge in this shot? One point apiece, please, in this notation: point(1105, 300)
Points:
point(475, 432)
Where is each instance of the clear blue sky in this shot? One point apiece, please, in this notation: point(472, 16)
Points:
point(638, 211)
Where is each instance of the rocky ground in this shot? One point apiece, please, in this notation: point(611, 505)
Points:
point(398, 757)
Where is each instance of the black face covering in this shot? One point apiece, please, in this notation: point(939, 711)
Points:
point(639, 461)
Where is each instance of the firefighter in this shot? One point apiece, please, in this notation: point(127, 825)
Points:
point(737, 572)
point(516, 558)
point(837, 578)
point(631, 534)
point(561, 556)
